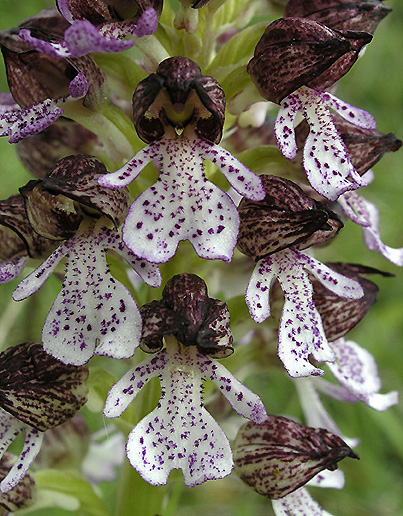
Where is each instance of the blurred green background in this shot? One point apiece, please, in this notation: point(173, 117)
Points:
point(374, 485)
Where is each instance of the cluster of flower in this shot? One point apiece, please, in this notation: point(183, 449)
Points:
point(68, 111)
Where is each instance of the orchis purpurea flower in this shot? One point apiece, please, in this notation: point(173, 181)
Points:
point(273, 232)
point(179, 433)
point(180, 113)
point(93, 313)
point(42, 86)
point(279, 456)
point(37, 392)
point(354, 367)
point(295, 61)
point(18, 241)
point(360, 15)
point(22, 494)
point(97, 27)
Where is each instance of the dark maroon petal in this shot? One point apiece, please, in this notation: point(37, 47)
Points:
point(14, 217)
point(22, 494)
point(187, 312)
point(10, 243)
point(365, 146)
point(178, 96)
point(53, 217)
point(40, 152)
point(286, 217)
point(340, 315)
point(76, 178)
point(340, 14)
point(278, 456)
point(293, 52)
point(38, 389)
point(102, 11)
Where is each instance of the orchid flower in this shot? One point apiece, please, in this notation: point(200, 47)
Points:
point(93, 313)
point(98, 28)
point(179, 433)
point(181, 113)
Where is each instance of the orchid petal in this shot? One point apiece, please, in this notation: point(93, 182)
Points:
point(10, 427)
point(243, 180)
point(58, 49)
point(11, 268)
point(123, 392)
point(284, 126)
point(34, 281)
point(354, 115)
point(32, 445)
point(147, 24)
point(257, 292)
point(332, 280)
point(93, 312)
point(19, 123)
point(355, 369)
point(78, 87)
point(354, 208)
point(328, 479)
point(128, 173)
point(242, 400)
point(298, 503)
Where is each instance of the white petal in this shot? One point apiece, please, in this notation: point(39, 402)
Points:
point(325, 157)
point(355, 116)
point(298, 503)
point(32, 444)
point(335, 282)
point(91, 309)
point(355, 368)
point(10, 427)
point(11, 268)
point(284, 126)
point(182, 205)
point(126, 389)
point(126, 174)
point(328, 479)
point(354, 208)
point(243, 180)
point(257, 292)
point(242, 399)
point(40, 275)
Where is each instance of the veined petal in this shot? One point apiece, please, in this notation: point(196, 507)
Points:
point(243, 180)
point(354, 115)
point(332, 280)
point(355, 369)
point(298, 503)
point(19, 123)
point(32, 445)
point(242, 400)
point(128, 173)
point(284, 126)
point(12, 267)
point(34, 281)
point(123, 392)
point(93, 313)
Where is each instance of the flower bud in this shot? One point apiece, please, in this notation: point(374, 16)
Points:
point(285, 217)
point(177, 96)
point(187, 312)
point(278, 456)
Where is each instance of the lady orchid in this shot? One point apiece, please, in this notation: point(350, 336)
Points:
point(180, 114)
point(93, 313)
point(179, 432)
